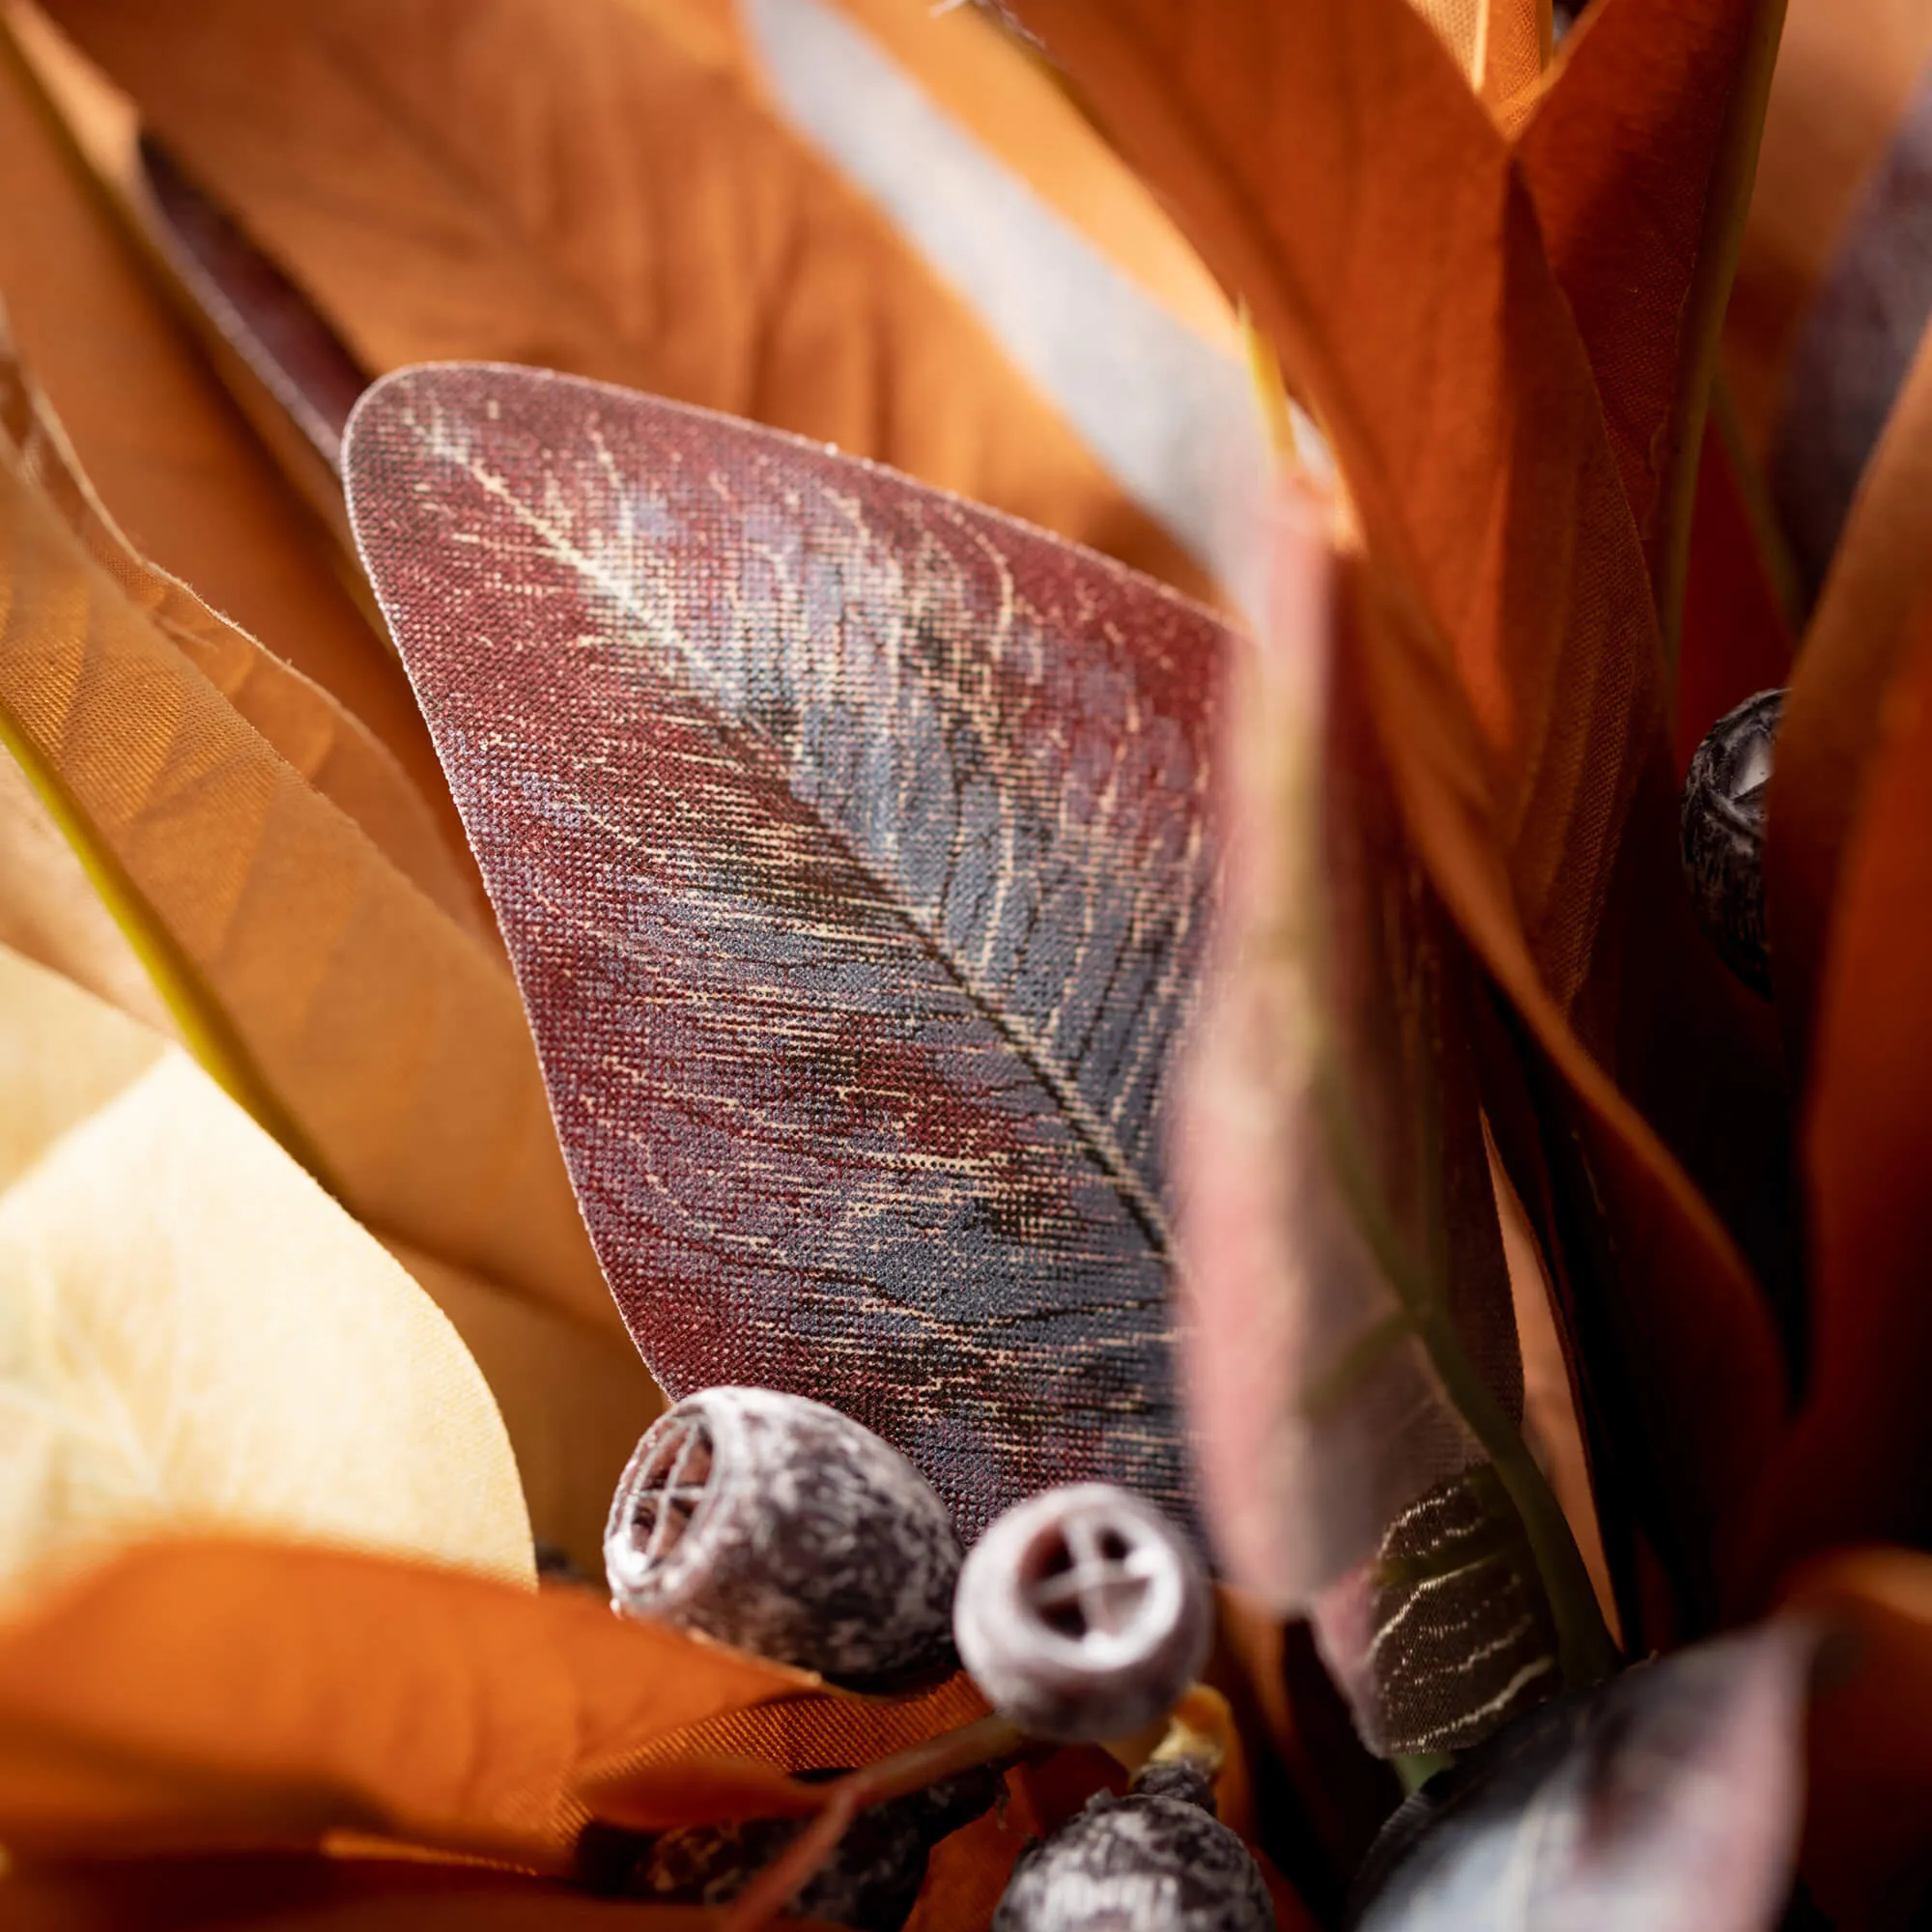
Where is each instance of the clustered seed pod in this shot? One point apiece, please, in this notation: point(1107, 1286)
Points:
point(1082, 1614)
point(869, 1883)
point(781, 1526)
point(1721, 834)
point(1148, 1861)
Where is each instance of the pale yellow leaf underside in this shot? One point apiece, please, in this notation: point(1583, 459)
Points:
point(192, 1336)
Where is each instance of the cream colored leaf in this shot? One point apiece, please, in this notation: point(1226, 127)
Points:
point(192, 1336)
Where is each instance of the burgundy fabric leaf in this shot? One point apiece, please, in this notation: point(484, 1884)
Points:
point(851, 845)
point(1669, 1801)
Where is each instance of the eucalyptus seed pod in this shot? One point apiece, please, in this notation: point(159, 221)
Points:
point(781, 1526)
point(1082, 1614)
point(1155, 1864)
point(1721, 834)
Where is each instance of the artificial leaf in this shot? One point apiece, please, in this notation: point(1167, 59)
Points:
point(1501, 44)
point(270, 1891)
point(331, 749)
point(1860, 1462)
point(1350, 1347)
point(1680, 1361)
point(1870, 1735)
point(1863, 627)
point(1639, 157)
point(1668, 1801)
point(850, 843)
point(197, 1337)
point(376, 1038)
point(49, 912)
point(1857, 346)
point(176, 467)
point(216, 1694)
point(1474, 449)
point(1846, 71)
point(491, 181)
point(1165, 406)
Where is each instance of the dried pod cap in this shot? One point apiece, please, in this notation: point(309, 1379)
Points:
point(1721, 834)
point(1082, 1613)
point(1155, 1864)
point(781, 1526)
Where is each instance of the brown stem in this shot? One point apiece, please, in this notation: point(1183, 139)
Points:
point(946, 1756)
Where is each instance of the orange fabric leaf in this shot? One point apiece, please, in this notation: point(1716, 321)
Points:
point(261, 1892)
point(175, 465)
point(1695, 1351)
point(1859, 1463)
point(494, 182)
point(230, 1694)
point(1864, 623)
point(314, 731)
point(383, 1045)
point(1867, 1852)
point(1631, 160)
point(1419, 316)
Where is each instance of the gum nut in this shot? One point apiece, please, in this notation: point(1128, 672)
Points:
point(1082, 1614)
point(1155, 1864)
point(1721, 831)
point(781, 1527)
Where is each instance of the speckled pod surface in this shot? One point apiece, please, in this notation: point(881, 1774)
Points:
point(1157, 1865)
point(1721, 834)
point(1082, 1613)
point(778, 1525)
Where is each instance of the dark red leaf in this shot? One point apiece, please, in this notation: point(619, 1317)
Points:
point(850, 843)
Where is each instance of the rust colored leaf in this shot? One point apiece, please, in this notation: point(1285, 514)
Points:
point(1639, 157)
point(1859, 636)
point(850, 842)
point(579, 187)
point(1683, 1370)
point(1866, 1853)
point(177, 469)
point(230, 1694)
point(1859, 1464)
point(268, 1893)
point(1473, 447)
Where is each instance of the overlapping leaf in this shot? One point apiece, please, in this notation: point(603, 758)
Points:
point(582, 187)
point(196, 1336)
point(232, 1693)
point(1859, 1463)
point(1246, 126)
point(1474, 447)
point(174, 465)
point(851, 845)
point(1352, 1351)
point(1865, 626)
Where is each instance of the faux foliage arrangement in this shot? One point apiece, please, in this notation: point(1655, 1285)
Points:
point(995, 801)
